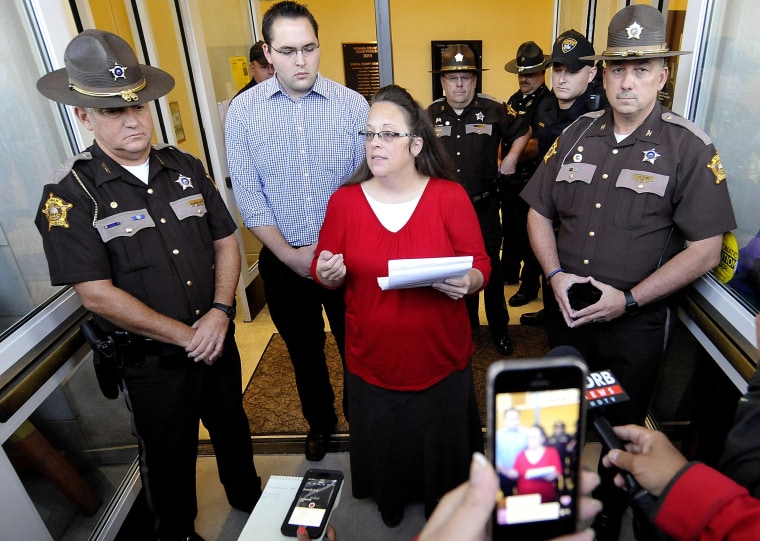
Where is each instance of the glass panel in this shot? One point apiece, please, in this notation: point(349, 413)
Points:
point(728, 111)
point(33, 145)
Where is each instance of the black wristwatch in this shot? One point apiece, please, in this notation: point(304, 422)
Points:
point(229, 310)
point(631, 306)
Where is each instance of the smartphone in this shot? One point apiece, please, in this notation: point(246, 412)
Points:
point(536, 427)
point(582, 295)
point(313, 503)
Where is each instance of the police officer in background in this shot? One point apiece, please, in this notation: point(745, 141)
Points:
point(640, 201)
point(472, 127)
point(146, 240)
point(259, 67)
point(530, 67)
point(575, 91)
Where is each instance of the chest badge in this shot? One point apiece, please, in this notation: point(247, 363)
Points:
point(56, 211)
point(650, 156)
point(577, 158)
point(716, 166)
point(185, 182)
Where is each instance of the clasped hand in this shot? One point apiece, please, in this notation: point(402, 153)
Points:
point(610, 306)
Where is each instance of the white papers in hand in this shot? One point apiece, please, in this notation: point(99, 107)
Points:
point(406, 273)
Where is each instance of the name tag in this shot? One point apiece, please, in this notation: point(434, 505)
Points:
point(643, 181)
point(193, 205)
point(486, 129)
point(124, 224)
point(574, 172)
point(443, 131)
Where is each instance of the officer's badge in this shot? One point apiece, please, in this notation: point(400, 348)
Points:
point(568, 44)
point(480, 116)
point(56, 211)
point(650, 156)
point(552, 150)
point(459, 57)
point(716, 166)
point(634, 31)
point(118, 72)
point(185, 182)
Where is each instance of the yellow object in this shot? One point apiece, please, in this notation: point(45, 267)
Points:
point(729, 257)
point(239, 70)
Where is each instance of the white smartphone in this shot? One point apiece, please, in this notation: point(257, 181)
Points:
point(313, 503)
point(536, 427)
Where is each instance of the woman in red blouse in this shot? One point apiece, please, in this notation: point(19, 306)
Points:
point(414, 419)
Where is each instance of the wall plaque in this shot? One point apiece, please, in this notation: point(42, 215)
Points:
point(361, 68)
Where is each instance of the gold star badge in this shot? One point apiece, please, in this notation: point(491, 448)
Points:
point(56, 211)
point(552, 150)
point(716, 166)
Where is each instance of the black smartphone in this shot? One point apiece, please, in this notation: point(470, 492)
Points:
point(313, 503)
point(536, 426)
point(582, 295)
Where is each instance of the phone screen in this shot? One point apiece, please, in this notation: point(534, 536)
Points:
point(535, 443)
point(313, 502)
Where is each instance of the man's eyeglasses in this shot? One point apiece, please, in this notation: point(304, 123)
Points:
point(466, 78)
point(291, 52)
point(385, 136)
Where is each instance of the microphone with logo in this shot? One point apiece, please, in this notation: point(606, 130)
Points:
point(603, 389)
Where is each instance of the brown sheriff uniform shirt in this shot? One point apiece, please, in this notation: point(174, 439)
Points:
point(154, 241)
point(626, 208)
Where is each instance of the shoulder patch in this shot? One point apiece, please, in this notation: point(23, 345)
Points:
point(65, 168)
point(56, 211)
point(672, 118)
point(716, 166)
point(552, 151)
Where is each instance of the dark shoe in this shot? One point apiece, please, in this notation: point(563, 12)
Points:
point(521, 298)
point(607, 527)
point(533, 319)
point(504, 345)
point(392, 517)
point(316, 445)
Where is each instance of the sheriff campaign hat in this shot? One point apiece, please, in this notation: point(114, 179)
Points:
point(570, 50)
point(530, 58)
point(636, 31)
point(458, 57)
point(102, 71)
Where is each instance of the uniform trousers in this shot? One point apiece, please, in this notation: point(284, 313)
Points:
point(167, 394)
point(493, 294)
point(295, 304)
point(516, 244)
point(632, 347)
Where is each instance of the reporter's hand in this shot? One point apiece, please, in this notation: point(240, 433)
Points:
point(303, 535)
point(649, 456)
point(465, 512)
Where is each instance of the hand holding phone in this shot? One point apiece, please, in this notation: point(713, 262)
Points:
point(526, 400)
point(313, 503)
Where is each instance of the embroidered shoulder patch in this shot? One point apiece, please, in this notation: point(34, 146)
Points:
point(716, 166)
point(56, 211)
point(552, 150)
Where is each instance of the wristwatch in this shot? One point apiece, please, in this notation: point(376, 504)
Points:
point(631, 306)
point(229, 310)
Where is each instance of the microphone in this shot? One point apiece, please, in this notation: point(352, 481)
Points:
point(603, 389)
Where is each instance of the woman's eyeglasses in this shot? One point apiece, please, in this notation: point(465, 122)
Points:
point(385, 136)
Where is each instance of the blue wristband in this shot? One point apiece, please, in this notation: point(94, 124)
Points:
point(552, 273)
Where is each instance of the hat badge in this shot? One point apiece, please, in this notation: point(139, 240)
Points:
point(568, 45)
point(459, 57)
point(634, 31)
point(118, 72)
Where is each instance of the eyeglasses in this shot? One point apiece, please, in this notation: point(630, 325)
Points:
point(454, 78)
point(291, 52)
point(385, 136)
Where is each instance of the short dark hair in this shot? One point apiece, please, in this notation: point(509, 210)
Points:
point(289, 10)
point(432, 160)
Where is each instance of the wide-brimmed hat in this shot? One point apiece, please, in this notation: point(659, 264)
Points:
point(458, 57)
point(102, 71)
point(636, 31)
point(256, 54)
point(570, 50)
point(530, 59)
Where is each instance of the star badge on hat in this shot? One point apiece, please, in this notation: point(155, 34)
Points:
point(56, 211)
point(185, 182)
point(650, 156)
point(118, 72)
point(459, 57)
point(634, 31)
